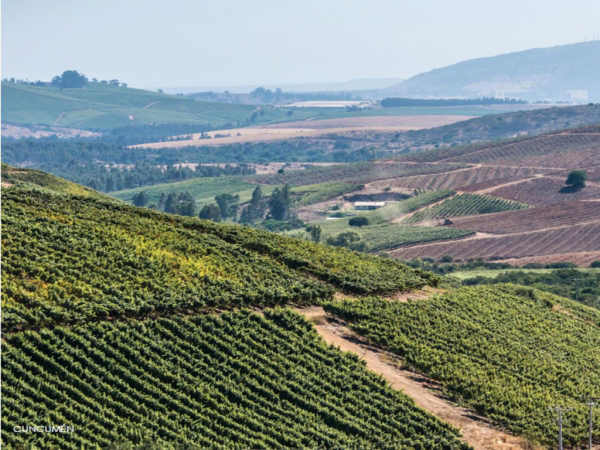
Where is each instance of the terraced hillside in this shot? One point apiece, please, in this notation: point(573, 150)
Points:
point(507, 351)
point(234, 380)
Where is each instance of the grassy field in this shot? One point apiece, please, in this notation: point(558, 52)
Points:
point(102, 107)
point(204, 190)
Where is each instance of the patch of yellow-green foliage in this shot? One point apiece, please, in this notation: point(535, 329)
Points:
point(71, 259)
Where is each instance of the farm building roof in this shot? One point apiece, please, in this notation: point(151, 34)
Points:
point(369, 204)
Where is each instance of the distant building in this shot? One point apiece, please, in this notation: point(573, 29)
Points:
point(362, 206)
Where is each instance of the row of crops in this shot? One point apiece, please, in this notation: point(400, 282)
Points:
point(466, 205)
point(507, 351)
point(72, 259)
point(238, 380)
point(315, 193)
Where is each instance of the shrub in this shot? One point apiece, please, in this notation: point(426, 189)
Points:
point(358, 221)
point(595, 264)
point(577, 179)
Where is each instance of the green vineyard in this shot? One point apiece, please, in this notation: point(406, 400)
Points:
point(466, 205)
point(238, 380)
point(71, 259)
point(507, 351)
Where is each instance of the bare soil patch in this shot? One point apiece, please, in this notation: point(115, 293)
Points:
point(309, 128)
point(582, 259)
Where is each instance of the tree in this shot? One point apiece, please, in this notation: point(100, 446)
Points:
point(595, 264)
point(228, 204)
point(349, 239)
point(577, 179)
point(359, 221)
point(70, 79)
point(210, 212)
point(140, 199)
point(170, 202)
point(280, 203)
point(315, 232)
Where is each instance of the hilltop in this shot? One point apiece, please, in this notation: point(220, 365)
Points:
point(566, 72)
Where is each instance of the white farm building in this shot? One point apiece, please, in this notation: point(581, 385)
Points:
point(364, 206)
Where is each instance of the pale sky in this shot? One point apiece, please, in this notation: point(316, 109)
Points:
point(154, 43)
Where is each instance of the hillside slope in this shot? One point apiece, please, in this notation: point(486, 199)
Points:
point(102, 107)
point(566, 72)
point(71, 259)
point(507, 351)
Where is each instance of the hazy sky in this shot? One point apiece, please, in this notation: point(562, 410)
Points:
point(154, 43)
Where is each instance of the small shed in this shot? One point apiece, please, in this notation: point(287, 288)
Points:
point(366, 206)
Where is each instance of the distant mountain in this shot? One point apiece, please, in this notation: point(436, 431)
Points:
point(563, 73)
point(342, 86)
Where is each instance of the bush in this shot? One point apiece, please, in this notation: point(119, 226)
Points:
point(348, 239)
point(595, 264)
point(577, 179)
point(533, 265)
point(447, 259)
point(359, 221)
point(561, 265)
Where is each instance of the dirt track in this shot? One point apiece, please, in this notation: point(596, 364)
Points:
point(476, 430)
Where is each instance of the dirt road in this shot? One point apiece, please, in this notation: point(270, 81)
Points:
point(426, 393)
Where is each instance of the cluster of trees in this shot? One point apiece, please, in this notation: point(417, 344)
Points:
point(25, 81)
point(114, 179)
point(405, 102)
point(269, 96)
point(277, 207)
point(70, 79)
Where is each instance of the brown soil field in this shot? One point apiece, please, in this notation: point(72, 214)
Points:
point(552, 216)
point(459, 179)
point(564, 160)
point(580, 238)
point(545, 191)
point(512, 153)
point(375, 122)
point(582, 259)
point(476, 430)
point(309, 128)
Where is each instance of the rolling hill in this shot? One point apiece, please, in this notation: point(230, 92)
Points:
point(566, 72)
point(103, 107)
point(135, 261)
point(169, 332)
